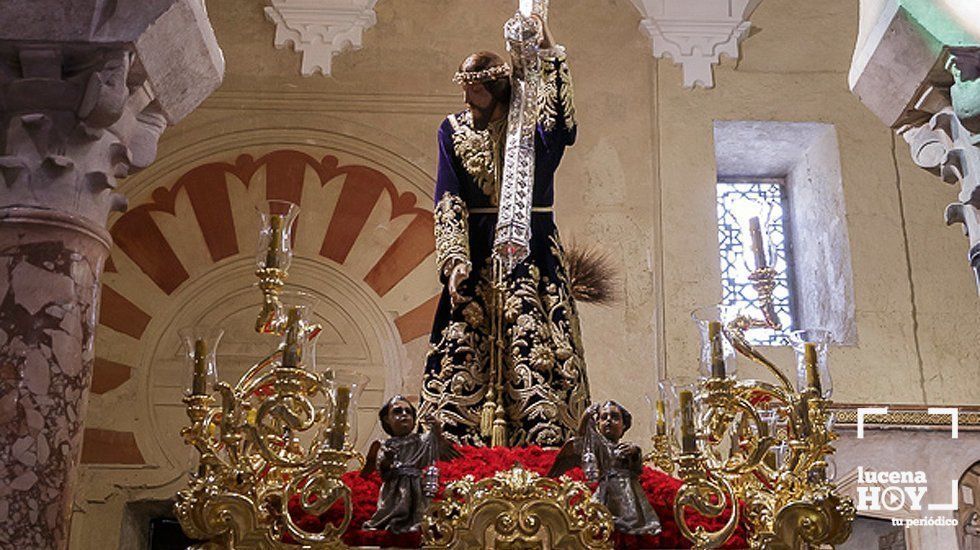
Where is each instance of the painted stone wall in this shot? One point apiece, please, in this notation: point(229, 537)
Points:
point(358, 151)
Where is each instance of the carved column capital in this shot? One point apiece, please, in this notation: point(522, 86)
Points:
point(964, 93)
point(919, 72)
point(944, 146)
point(946, 143)
point(83, 104)
point(60, 148)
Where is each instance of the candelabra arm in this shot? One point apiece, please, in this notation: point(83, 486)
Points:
point(244, 384)
point(660, 457)
point(736, 335)
point(823, 521)
point(764, 282)
point(744, 464)
point(708, 497)
point(271, 282)
point(318, 488)
point(230, 422)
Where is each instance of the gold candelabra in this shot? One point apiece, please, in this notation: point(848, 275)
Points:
point(764, 444)
point(284, 433)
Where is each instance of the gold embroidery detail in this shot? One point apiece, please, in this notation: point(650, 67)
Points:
point(481, 151)
point(557, 96)
point(546, 385)
point(452, 232)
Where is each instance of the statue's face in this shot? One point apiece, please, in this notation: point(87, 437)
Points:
point(611, 422)
point(401, 419)
point(480, 103)
point(476, 96)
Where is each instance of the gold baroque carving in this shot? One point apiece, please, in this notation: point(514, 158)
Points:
point(826, 519)
point(517, 509)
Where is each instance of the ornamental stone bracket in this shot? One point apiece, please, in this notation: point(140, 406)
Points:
point(696, 33)
point(320, 29)
point(917, 67)
point(84, 95)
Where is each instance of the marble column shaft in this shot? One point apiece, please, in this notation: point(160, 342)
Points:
point(49, 272)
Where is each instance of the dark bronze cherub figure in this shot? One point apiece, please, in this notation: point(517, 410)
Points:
point(615, 465)
point(404, 461)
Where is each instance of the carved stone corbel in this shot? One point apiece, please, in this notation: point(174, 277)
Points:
point(320, 29)
point(696, 33)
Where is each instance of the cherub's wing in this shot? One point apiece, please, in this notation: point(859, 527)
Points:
point(446, 449)
point(371, 462)
point(568, 457)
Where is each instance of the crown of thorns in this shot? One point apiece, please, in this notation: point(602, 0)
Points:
point(486, 75)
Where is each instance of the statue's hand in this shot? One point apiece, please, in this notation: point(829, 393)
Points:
point(626, 450)
point(547, 40)
point(458, 274)
point(386, 458)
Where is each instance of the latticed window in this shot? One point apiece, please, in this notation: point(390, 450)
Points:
point(737, 202)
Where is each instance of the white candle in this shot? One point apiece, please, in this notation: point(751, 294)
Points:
point(758, 245)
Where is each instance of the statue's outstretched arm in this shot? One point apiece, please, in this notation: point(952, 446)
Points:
point(371, 463)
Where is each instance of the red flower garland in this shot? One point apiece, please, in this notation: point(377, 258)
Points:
point(482, 462)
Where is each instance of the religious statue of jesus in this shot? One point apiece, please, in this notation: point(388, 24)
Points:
point(526, 318)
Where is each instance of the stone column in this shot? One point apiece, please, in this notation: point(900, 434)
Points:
point(85, 93)
point(917, 67)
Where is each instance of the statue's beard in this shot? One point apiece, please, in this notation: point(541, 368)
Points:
point(481, 116)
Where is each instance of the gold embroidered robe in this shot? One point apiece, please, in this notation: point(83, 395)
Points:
point(545, 384)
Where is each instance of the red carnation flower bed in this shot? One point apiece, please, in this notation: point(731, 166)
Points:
point(485, 462)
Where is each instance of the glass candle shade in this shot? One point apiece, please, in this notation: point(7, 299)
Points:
point(811, 348)
point(756, 225)
point(345, 389)
point(200, 350)
point(300, 330)
point(717, 357)
point(276, 221)
point(830, 473)
point(671, 391)
point(658, 413)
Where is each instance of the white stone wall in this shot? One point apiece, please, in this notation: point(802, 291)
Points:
point(821, 248)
